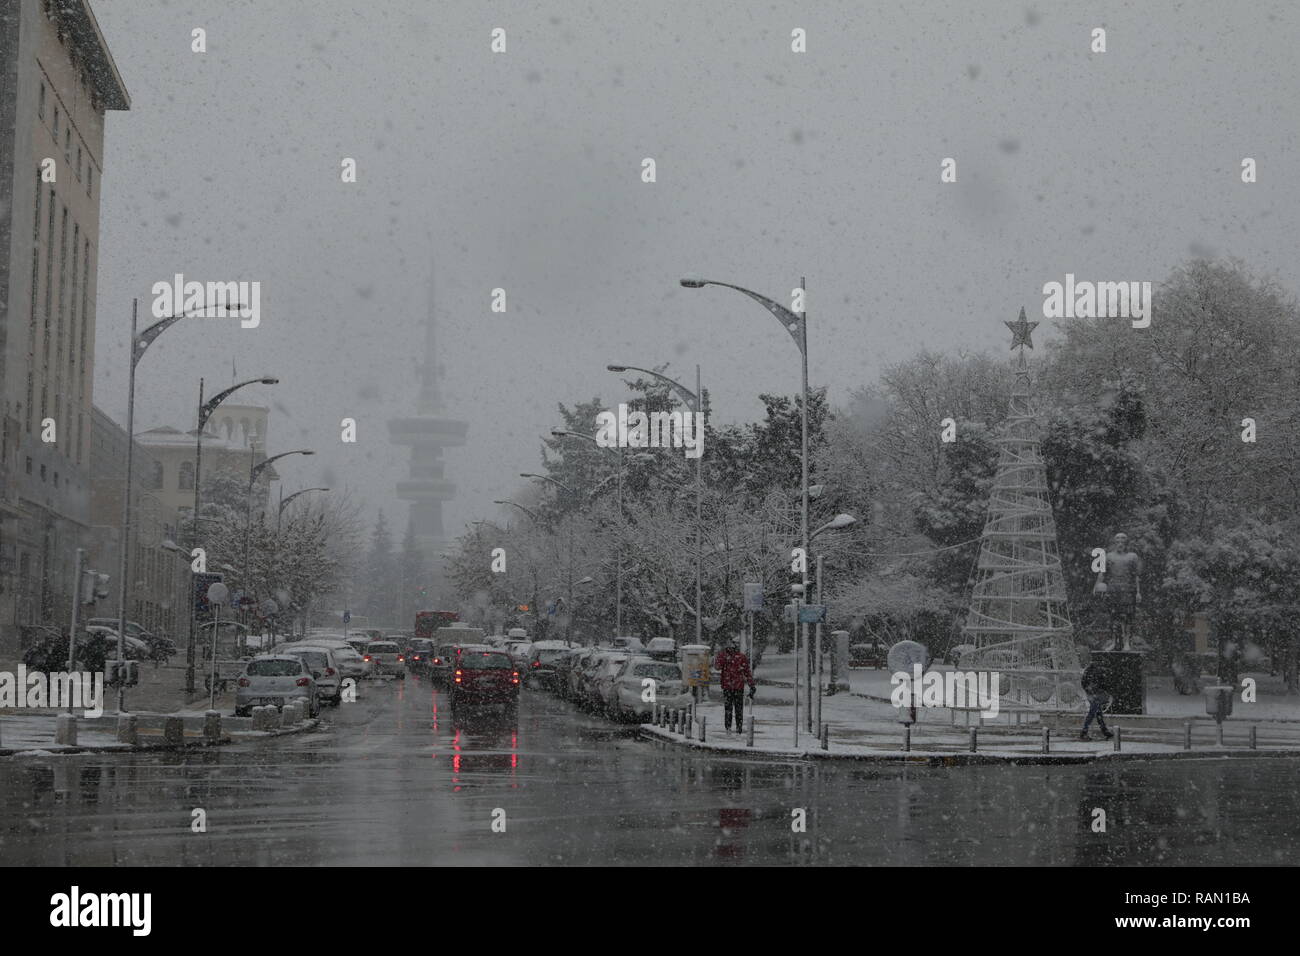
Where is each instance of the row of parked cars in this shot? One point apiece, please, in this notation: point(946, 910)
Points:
point(623, 680)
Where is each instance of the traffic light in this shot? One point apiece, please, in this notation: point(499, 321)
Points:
point(94, 586)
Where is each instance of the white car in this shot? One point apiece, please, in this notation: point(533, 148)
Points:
point(519, 651)
point(386, 658)
point(600, 678)
point(324, 668)
point(662, 649)
point(628, 691)
point(275, 679)
point(351, 663)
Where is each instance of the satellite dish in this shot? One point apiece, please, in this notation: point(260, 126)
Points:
point(905, 655)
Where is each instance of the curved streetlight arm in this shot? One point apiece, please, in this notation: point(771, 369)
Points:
point(210, 406)
point(690, 398)
point(792, 322)
point(145, 338)
point(285, 503)
point(257, 469)
point(527, 511)
point(559, 484)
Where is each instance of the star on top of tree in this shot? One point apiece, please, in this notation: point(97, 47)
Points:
point(1020, 330)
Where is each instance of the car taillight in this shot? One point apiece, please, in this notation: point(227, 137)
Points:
point(303, 682)
point(437, 660)
point(329, 672)
point(416, 657)
point(245, 682)
point(514, 677)
point(537, 663)
point(458, 675)
point(366, 658)
point(400, 658)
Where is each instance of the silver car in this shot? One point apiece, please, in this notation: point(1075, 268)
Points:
point(324, 668)
point(386, 658)
point(275, 679)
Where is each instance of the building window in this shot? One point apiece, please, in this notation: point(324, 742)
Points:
point(42, 472)
point(185, 480)
point(156, 478)
point(56, 126)
point(40, 103)
point(49, 274)
point(90, 175)
point(29, 465)
point(56, 479)
point(67, 144)
point(78, 162)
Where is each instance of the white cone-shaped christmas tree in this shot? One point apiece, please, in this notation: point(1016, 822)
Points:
point(1019, 621)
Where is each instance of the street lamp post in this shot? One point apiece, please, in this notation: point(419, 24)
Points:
point(695, 403)
point(205, 412)
point(533, 516)
point(253, 471)
point(797, 326)
point(841, 520)
point(618, 551)
point(568, 626)
point(140, 342)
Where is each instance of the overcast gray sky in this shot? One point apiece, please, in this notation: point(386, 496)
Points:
point(522, 170)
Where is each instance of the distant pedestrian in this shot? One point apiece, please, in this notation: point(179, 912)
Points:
point(733, 666)
point(1095, 685)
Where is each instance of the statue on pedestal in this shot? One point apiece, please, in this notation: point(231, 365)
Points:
point(1120, 582)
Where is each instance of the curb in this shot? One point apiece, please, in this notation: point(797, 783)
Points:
point(310, 724)
point(944, 759)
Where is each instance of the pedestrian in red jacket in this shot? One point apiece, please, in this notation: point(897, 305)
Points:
point(733, 666)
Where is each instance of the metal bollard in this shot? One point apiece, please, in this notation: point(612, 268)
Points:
point(654, 714)
point(749, 739)
point(126, 730)
point(1047, 740)
point(826, 736)
point(1119, 737)
point(690, 721)
point(704, 721)
point(1253, 728)
point(907, 738)
point(1220, 726)
point(974, 740)
point(212, 726)
point(1187, 736)
point(65, 730)
point(174, 730)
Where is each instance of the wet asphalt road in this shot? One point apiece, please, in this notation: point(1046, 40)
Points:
point(391, 780)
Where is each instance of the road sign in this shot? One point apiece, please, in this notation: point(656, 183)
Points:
point(347, 617)
point(812, 613)
point(753, 596)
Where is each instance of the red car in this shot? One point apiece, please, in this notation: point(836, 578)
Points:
point(484, 675)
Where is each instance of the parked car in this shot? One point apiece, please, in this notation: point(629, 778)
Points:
point(564, 669)
point(275, 679)
point(135, 648)
point(577, 667)
point(386, 658)
point(350, 662)
point(601, 680)
point(661, 649)
point(358, 644)
point(484, 675)
point(592, 669)
point(324, 669)
point(159, 647)
point(419, 655)
point(870, 654)
point(539, 669)
point(628, 688)
point(519, 651)
point(632, 645)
